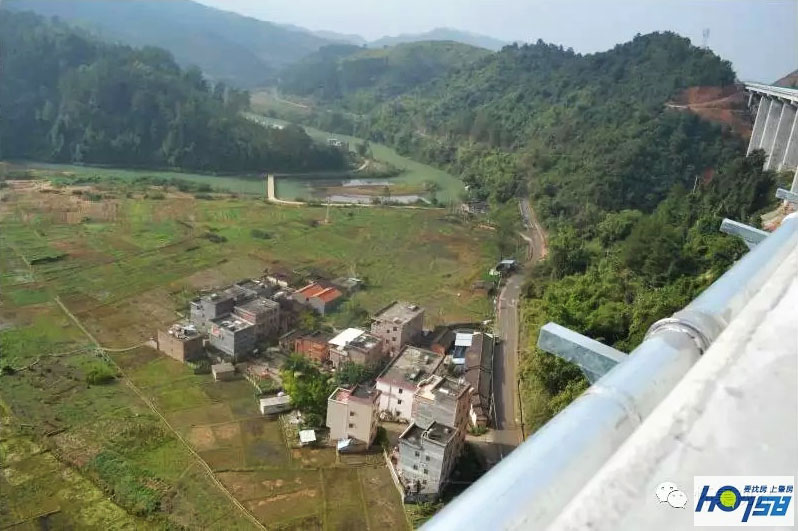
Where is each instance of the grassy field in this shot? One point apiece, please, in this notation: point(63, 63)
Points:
point(89, 456)
point(240, 184)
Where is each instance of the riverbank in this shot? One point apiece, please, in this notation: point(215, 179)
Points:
point(448, 188)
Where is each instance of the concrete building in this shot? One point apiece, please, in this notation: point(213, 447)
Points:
point(443, 400)
point(220, 303)
point(430, 446)
point(182, 341)
point(261, 312)
point(478, 374)
point(223, 371)
point(426, 458)
point(313, 345)
point(398, 324)
point(274, 405)
point(400, 379)
point(352, 414)
point(319, 297)
point(233, 336)
point(357, 346)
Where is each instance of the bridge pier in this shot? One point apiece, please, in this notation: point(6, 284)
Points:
point(775, 127)
point(771, 123)
point(784, 129)
point(759, 124)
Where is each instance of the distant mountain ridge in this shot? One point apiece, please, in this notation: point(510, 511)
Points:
point(442, 34)
point(789, 81)
point(228, 47)
point(236, 49)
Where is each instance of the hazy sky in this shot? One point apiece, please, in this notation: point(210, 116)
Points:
point(760, 37)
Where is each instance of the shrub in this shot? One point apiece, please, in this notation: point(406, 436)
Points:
point(215, 238)
point(261, 234)
point(100, 374)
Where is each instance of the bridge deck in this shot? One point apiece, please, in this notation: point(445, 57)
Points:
point(773, 91)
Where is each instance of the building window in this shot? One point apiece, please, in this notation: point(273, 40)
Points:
point(351, 425)
point(427, 458)
point(394, 329)
point(417, 454)
point(393, 339)
point(351, 413)
point(399, 402)
point(400, 390)
point(415, 467)
point(425, 472)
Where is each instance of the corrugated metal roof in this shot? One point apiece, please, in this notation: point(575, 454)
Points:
point(462, 339)
point(342, 339)
point(307, 436)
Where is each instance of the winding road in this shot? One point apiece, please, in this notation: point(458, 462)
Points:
point(508, 431)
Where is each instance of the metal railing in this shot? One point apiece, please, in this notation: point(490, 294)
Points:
point(530, 487)
point(772, 90)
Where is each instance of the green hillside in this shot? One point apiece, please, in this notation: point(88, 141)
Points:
point(69, 98)
point(243, 51)
point(442, 34)
point(359, 78)
point(631, 193)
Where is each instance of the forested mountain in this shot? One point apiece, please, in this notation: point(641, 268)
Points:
point(632, 192)
point(359, 78)
point(66, 97)
point(228, 47)
point(442, 34)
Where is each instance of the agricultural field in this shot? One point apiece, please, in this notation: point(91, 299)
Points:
point(239, 184)
point(121, 440)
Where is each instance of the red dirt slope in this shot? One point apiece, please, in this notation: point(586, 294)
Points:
point(724, 105)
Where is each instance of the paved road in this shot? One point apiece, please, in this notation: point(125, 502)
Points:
point(507, 434)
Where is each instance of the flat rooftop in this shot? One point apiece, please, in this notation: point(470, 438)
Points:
point(346, 337)
point(441, 388)
point(258, 305)
point(231, 323)
point(359, 393)
point(364, 341)
point(410, 367)
point(399, 312)
point(275, 400)
point(437, 432)
point(183, 331)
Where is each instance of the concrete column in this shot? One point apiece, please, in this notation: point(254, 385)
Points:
point(782, 136)
point(771, 124)
point(759, 124)
point(790, 159)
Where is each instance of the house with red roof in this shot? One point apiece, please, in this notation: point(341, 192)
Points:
point(320, 297)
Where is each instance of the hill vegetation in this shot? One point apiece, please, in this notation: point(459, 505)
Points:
point(69, 98)
point(238, 50)
point(358, 79)
point(632, 192)
point(442, 34)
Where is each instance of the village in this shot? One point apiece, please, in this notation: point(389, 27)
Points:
point(432, 387)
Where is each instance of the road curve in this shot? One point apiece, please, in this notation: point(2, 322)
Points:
point(508, 433)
